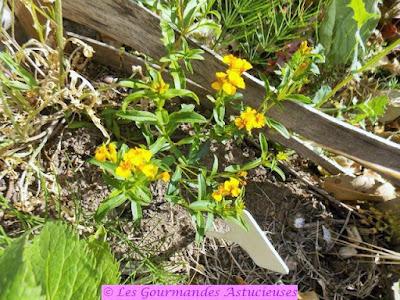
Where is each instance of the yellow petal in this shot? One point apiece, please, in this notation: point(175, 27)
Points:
point(150, 171)
point(228, 88)
point(123, 170)
point(239, 123)
point(228, 59)
point(220, 75)
point(101, 153)
point(235, 79)
point(164, 176)
point(216, 85)
point(217, 196)
point(112, 151)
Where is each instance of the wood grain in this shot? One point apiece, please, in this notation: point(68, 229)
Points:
point(137, 27)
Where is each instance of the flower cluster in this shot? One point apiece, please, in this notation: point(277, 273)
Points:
point(106, 152)
point(304, 48)
point(250, 119)
point(231, 80)
point(230, 187)
point(134, 161)
point(159, 86)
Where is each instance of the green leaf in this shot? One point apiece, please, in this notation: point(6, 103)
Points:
point(320, 94)
point(172, 93)
point(361, 15)
point(138, 116)
point(202, 205)
point(187, 117)
point(133, 97)
point(17, 280)
point(337, 31)
point(136, 209)
point(133, 84)
point(158, 145)
point(232, 169)
point(278, 127)
point(56, 265)
point(115, 199)
point(378, 105)
point(263, 145)
point(299, 98)
point(202, 187)
point(105, 165)
point(140, 194)
point(17, 69)
point(106, 265)
point(173, 186)
point(64, 265)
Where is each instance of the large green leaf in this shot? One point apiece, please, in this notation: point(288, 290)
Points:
point(17, 280)
point(106, 265)
point(56, 265)
point(63, 265)
point(337, 32)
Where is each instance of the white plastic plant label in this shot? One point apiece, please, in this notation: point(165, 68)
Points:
point(5, 15)
point(254, 242)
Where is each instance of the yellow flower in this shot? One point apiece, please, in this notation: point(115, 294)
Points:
point(124, 169)
point(250, 119)
point(237, 64)
point(260, 121)
point(282, 156)
point(101, 153)
point(222, 83)
point(228, 188)
point(160, 86)
point(235, 79)
point(164, 176)
point(228, 82)
point(112, 152)
point(138, 156)
point(106, 152)
point(231, 187)
point(149, 170)
point(304, 48)
point(217, 195)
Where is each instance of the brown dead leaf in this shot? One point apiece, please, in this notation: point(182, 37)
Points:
point(351, 166)
point(354, 234)
point(391, 66)
point(367, 187)
point(347, 252)
point(308, 296)
point(393, 109)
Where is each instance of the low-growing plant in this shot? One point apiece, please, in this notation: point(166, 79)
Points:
point(48, 266)
point(205, 190)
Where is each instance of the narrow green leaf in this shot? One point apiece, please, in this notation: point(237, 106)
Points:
point(114, 200)
point(138, 116)
point(202, 187)
point(172, 93)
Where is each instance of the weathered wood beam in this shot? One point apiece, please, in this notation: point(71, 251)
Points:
point(137, 27)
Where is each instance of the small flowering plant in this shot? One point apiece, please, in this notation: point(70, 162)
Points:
point(162, 153)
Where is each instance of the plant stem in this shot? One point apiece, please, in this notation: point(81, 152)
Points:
point(60, 40)
point(367, 65)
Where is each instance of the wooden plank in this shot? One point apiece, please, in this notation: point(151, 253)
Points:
point(307, 152)
point(121, 60)
point(126, 21)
